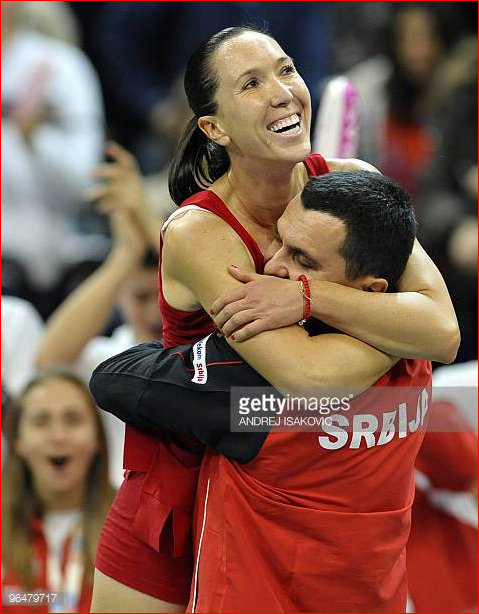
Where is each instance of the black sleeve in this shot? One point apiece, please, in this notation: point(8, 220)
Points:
point(183, 390)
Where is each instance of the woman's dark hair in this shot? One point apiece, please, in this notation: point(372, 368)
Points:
point(402, 92)
point(198, 161)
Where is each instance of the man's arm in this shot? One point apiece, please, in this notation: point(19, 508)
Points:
point(198, 247)
point(152, 388)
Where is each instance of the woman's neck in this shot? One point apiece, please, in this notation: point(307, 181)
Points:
point(61, 502)
point(259, 195)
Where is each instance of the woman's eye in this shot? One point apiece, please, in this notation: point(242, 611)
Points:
point(288, 69)
point(250, 84)
point(73, 419)
point(39, 421)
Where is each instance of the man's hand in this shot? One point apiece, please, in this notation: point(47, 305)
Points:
point(262, 303)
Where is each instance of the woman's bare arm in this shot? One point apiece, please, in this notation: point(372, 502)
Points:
point(197, 251)
point(417, 322)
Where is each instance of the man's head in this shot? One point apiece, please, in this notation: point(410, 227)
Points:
point(355, 228)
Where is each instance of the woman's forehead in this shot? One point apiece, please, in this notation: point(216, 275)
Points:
point(248, 51)
point(53, 392)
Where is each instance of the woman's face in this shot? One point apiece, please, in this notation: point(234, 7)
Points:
point(57, 437)
point(418, 46)
point(264, 106)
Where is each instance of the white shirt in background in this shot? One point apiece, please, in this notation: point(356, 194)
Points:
point(22, 330)
point(43, 181)
point(95, 352)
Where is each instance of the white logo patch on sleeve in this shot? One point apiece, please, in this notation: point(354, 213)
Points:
point(199, 361)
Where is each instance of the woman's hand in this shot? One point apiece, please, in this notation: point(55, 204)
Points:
point(262, 303)
point(122, 185)
point(122, 190)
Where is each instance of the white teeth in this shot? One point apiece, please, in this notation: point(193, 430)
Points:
point(284, 123)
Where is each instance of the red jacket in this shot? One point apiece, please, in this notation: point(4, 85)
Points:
point(314, 524)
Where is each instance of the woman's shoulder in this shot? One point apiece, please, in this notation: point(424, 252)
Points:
point(203, 212)
point(193, 224)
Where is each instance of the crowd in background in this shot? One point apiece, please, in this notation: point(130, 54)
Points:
point(81, 220)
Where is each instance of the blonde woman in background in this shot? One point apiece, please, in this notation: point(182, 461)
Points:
point(55, 494)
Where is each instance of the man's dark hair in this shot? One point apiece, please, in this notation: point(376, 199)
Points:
point(379, 219)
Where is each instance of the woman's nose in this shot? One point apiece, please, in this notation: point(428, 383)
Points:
point(281, 94)
point(58, 431)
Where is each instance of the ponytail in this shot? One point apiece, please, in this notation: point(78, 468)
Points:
point(196, 163)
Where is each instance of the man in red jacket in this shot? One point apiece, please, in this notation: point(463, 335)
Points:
point(296, 521)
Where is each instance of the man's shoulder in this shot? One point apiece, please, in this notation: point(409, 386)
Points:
point(407, 372)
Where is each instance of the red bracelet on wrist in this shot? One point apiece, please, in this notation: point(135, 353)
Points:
point(306, 292)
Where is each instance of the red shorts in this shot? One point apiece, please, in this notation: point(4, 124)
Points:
point(126, 558)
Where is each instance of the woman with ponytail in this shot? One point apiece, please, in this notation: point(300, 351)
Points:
point(244, 155)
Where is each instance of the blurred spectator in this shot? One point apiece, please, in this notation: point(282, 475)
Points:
point(394, 90)
point(123, 188)
point(447, 199)
point(357, 31)
point(52, 131)
point(22, 330)
point(442, 548)
point(127, 278)
point(144, 47)
point(358, 28)
point(52, 19)
point(55, 494)
point(457, 384)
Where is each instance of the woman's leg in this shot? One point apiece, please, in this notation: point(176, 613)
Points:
point(130, 575)
point(111, 596)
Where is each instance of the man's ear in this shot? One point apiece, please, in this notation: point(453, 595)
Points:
point(374, 284)
point(210, 125)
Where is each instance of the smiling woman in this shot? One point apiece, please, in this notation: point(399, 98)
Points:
point(55, 493)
